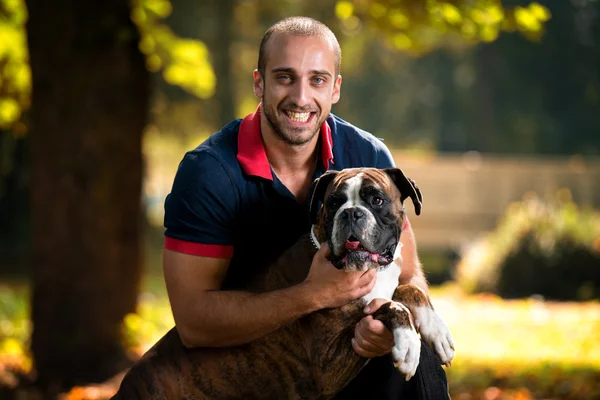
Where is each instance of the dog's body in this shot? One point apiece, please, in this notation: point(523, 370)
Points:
point(311, 358)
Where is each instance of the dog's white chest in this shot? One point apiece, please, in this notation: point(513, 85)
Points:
point(387, 282)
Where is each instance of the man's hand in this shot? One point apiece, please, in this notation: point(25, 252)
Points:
point(371, 337)
point(333, 287)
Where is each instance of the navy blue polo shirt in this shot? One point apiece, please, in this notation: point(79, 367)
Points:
point(227, 202)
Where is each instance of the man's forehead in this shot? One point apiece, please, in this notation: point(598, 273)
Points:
point(293, 52)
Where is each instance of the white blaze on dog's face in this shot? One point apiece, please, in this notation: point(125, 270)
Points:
point(353, 211)
point(363, 217)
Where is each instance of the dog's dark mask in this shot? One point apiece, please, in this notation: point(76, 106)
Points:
point(362, 232)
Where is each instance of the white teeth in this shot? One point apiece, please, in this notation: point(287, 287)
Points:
point(298, 117)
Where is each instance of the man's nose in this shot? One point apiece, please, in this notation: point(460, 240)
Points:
point(300, 94)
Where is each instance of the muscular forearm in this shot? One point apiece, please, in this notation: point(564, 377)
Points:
point(418, 279)
point(227, 318)
point(412, 271)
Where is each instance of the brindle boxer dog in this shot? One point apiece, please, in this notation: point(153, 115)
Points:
point(361, 219)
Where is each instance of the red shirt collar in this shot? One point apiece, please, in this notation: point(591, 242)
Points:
point(251, 149)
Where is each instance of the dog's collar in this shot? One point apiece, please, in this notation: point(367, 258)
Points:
point(313, 238)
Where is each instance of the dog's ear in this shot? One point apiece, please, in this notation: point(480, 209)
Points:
point(317, 193)
point(407, 187)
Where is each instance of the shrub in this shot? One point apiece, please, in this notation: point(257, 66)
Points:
point(549, 248)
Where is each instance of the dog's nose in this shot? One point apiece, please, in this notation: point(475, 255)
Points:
point(353, 214)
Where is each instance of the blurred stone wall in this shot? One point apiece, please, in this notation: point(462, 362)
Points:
point(466, 194)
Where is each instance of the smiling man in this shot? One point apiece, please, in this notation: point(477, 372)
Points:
point(240, 199)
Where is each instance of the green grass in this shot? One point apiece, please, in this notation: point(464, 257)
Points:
point(526, 349)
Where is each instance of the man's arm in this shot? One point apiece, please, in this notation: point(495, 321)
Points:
point(412, 271)
point(208, 316)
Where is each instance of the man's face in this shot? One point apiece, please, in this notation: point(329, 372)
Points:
point(299, 86)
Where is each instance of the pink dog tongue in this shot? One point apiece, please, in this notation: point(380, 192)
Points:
point(352, 245)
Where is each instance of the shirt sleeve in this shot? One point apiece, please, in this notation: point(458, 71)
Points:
point(200, 210)
point(384, 158)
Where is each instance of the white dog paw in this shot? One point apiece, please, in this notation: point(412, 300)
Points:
point(436, 334)
point(406, 351)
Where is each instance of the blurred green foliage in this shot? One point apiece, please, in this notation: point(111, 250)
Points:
point(15, 76)
point(183, 62)
point(549, 248)
point(15, 327)
point(421, 26)
point(149, 323)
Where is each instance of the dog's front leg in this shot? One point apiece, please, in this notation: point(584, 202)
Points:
point(407, 345)
point(333, 359)
point(430, 325)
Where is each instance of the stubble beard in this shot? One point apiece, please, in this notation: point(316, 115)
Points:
point(288, 137)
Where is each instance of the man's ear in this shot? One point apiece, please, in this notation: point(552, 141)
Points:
point(337, 87)
point(259, 84)
point(317, 191)
point(407, 187)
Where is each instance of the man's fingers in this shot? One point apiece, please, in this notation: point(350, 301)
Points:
point(363, 352)
point(370, 342)
point(373, 327)
point(324, 251)
point(369, 274)
point(370, 286)
point(374, 305)
point(368, 279)
point(372, 336)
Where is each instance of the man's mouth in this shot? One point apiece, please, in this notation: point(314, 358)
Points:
point(301, 117)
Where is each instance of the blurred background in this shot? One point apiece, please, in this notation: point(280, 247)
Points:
point(492, 107)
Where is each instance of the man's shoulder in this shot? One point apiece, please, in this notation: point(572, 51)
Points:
point(219, 148)
point(354, 146)
point(215, 155)
point(346, 131)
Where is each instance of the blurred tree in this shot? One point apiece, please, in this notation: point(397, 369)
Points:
point(544, 98)
point(89, 108)
point(418, 27)
point(189, 19)
point(15, 81)
point(90, 102)
point(421, 91)
point(184, 62)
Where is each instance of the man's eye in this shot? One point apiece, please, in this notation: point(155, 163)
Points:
point(318, 80)
point(377, 201)
point(284, 77)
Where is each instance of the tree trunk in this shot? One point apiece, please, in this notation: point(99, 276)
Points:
point(221, 50)
point(89, 107)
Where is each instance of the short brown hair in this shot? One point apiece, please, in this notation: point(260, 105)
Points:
point(299, 26)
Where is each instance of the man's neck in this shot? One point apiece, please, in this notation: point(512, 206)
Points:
point(286, 158)
point(293, 165)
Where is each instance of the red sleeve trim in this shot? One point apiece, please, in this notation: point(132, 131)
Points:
point(198, 249)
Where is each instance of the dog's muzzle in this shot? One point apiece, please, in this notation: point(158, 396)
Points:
point(358, 244)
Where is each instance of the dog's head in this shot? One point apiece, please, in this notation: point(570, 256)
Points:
point(362, 214)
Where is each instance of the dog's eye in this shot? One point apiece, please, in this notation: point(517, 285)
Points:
point(377, 201)
point(335, 202)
